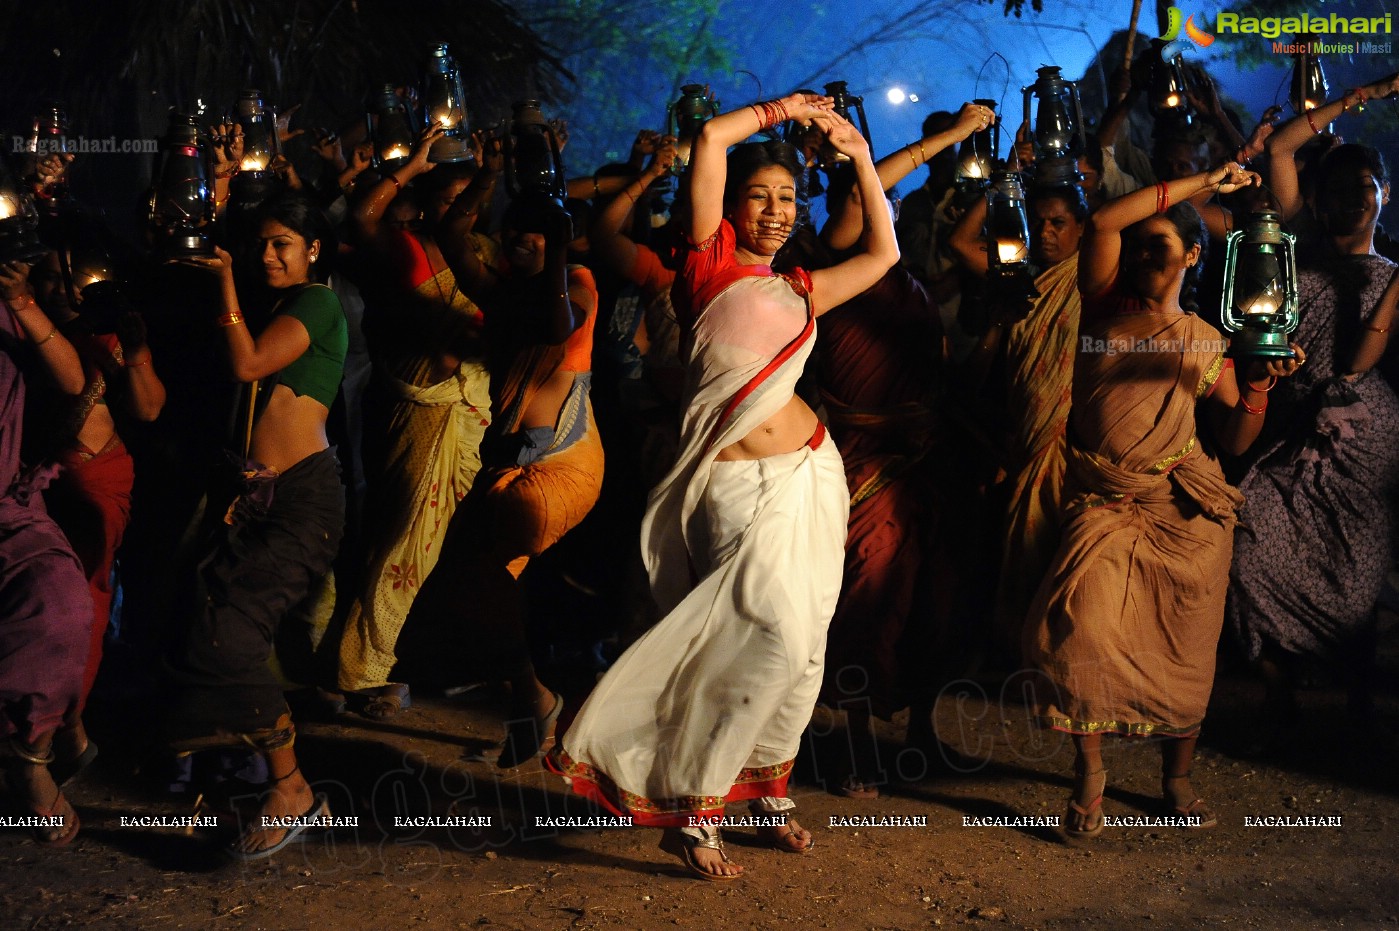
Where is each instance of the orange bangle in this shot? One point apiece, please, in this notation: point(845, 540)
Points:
point(1250, 408)
point(1315, 131)
point(135, 365)
point(1272, 380)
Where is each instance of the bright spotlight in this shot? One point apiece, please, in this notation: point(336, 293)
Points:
point(896, 95)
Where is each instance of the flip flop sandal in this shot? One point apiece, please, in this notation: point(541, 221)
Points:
point(60, 808)
point(855, 787)
point(386, 701)
point(1092, 819)
point(1198, 809)
point(779, 842)
point(682, 845)
point(320, 808)
point(528, 738)
point(1090, 816)
point(63, 771)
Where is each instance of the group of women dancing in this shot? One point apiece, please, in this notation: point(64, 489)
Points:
point(786, 565)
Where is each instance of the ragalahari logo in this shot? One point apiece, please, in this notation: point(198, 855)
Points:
point(1176, 21)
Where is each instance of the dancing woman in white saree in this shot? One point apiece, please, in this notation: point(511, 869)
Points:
point(744, 539)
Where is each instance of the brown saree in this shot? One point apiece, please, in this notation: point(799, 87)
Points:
point(1123, 631)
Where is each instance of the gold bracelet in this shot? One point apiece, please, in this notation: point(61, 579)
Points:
point(922, 152)
point(52, 334)
point(230, 319)
point(911, 158)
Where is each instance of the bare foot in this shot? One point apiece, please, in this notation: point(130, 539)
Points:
point(288, 797)
point(789, 838)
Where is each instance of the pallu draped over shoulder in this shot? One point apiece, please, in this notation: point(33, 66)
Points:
point(1039, 388)
point(745, 562)
point(1124, 628)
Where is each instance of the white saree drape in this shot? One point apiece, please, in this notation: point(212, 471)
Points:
point(745, 560)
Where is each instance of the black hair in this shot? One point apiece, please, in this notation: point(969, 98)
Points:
point(748, 159)
point(302, 216)
point(1070, 194)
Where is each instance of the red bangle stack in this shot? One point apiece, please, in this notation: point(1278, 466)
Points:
point(1163, 198)
point(769, 113)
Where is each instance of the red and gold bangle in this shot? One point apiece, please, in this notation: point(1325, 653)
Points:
point(1315, 131)
point(232, 318)
point(1163, 197)
point(135, 365)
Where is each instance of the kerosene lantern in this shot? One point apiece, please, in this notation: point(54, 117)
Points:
point(1007, 225)
point(533, 160)
point(1260, 288)
point(182, 201)
point(48, 135)
point(444, 105)
point(976, 158)
point(258, 121)
point(1309, 86)
point(1057, 128)
point(685, 118)
point(19, 222)
point(1167, 95)
point(852, 108)
point(389, 124)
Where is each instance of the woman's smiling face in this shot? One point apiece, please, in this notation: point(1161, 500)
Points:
point(765, 212)
point(286, 256)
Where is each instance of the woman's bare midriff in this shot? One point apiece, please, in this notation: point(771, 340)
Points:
point(786, 431)
point(290, 429)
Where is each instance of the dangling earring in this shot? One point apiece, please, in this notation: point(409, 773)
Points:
point(314, 257)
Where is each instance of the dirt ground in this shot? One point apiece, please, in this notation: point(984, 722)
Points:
point(516, 874)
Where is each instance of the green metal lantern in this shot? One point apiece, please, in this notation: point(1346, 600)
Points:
point(1260, 289)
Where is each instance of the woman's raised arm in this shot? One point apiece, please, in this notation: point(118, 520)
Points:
point(704, 182)
point(833, 286)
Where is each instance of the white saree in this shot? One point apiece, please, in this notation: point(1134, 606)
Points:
point(745, 560)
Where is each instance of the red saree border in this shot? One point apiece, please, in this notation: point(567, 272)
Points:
point(757, 380)
point(595, 785)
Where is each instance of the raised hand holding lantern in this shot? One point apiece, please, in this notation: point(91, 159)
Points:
point(1260, 288)
point(852, 108)
point(261, 146)
point(389, 125)
point(533, 160)
point(1057, 127)
point(182, 201)
point(685, 118)
point(444, 105)
point(976, 157)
